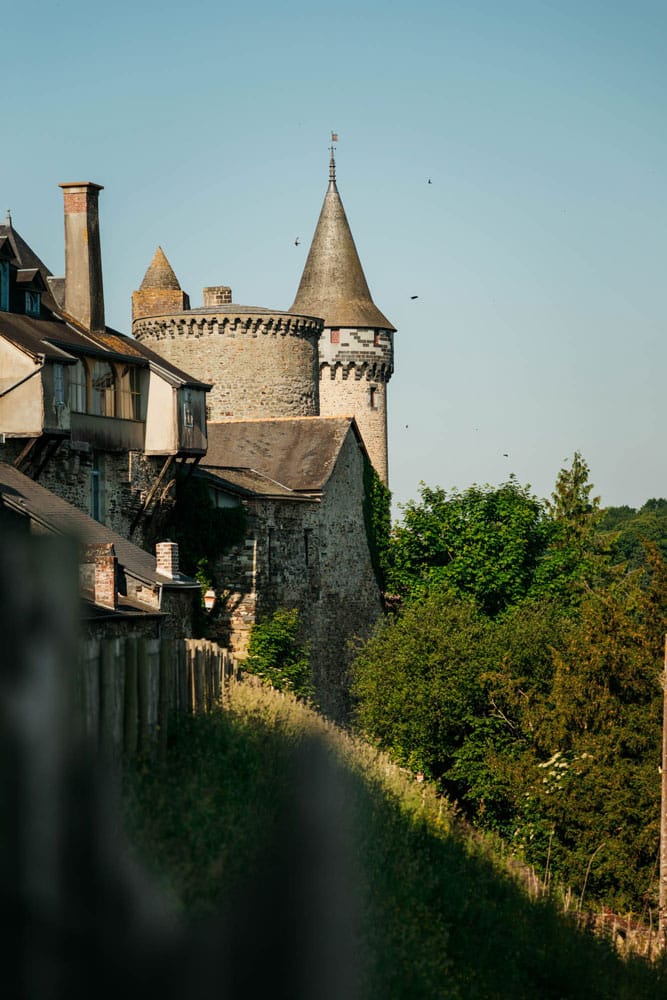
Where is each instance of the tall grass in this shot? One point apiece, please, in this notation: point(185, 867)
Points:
point(314, 856)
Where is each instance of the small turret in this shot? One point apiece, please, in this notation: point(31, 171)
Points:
point(356, 349)
point(160, 292)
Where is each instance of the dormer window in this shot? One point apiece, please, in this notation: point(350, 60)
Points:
point(33, 303)
point(4, 285)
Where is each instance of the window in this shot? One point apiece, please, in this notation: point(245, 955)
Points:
point(77, 388)
point(335, 336)
point(58, 385)
point(373, 397)
point(188, 415)
point(96, 489)
point(103, 390)
point(130, 393)
point(4, 285)
point(307, 532)
point(33, 303)
point(376, 338)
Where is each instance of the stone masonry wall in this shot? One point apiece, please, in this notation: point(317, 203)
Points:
point(313, 557)
point(355, 367)
point(124, 481)
point(260, 364)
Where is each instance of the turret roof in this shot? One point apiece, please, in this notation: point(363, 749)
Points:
point(333, 284)
point(160, 273)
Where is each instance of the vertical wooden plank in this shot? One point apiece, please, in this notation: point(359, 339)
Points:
point(209, 676)
point(154, 685)
point(199, 679)
point(143, 692)
point(217, 675)
point(112, 698)
point(166, 672)
point(89, 691)
point(192, 650)
point(131, 728)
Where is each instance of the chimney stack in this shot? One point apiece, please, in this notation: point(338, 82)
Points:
point(104, 576)
point(166, 554)
point(84, 293)
point(216, 295)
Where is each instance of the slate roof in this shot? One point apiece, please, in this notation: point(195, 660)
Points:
point(247, 483)
point(333, 284)
point(26, 497)
point(298, 452)
point(51, 335)
point(26, 257)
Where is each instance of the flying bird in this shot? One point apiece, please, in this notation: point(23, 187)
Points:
point(429, 180)
point(297, 241)
point(414, 296)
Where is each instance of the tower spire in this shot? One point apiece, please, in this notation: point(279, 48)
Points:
point(333, 284)
point(332, 159)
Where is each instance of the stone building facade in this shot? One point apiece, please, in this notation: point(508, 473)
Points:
point(260, 362)
point(297, 408)
point(306, 544)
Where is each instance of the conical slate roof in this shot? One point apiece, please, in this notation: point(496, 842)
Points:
point(333, 285)
point(160, 273)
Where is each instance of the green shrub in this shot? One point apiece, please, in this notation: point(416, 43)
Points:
point(277, 654)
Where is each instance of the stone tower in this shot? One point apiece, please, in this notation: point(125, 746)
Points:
point(261, 362)
point(356, 348)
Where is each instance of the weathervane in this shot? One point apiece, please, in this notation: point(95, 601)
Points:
point(332, 161)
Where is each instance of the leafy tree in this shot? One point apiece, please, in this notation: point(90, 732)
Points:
point(377, 519)
point(628, 529)
point(277, 654)
point(417, 681)
point(484, 542)
point(577, 556)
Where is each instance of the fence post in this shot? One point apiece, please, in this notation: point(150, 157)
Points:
point(112, 698)
point(131, 732)
point(165, 682)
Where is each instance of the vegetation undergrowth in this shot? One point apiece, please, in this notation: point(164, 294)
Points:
point(315, 851)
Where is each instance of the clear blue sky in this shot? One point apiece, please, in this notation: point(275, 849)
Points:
point(538, 251)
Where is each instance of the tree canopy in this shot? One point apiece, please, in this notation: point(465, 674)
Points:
point(523, 674)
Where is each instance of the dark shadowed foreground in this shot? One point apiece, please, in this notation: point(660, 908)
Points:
point(293, 862)
point(81, 917)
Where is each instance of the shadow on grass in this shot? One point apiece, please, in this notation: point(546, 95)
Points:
point(300, 874)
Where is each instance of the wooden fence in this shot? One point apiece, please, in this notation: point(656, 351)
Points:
point(128, 691)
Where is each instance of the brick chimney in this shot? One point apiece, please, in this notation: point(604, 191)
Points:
point(216, 295)
point(84, 293)
point(166, 554)
point(105, 564)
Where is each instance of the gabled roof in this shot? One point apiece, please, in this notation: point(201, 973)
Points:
point(57, 335)
point(297, 452)
point(34, 336)
point(28, 498)
point(25, 257)
point(333, 284)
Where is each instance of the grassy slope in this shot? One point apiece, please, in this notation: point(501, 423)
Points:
point(306, 847)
